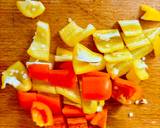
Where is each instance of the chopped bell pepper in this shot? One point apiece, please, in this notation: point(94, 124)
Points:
point(40, 47)
point(72, 34)
point(89, 106)
point(39, 71)
point(63, 54)
point(26, 99)
point(140, 69)
point(59, 122)
point(96, 88)
point(154, 36)
point(79, 122)
point(50, 61)
point(94, 74)
point(72, 111)
point(150, 14)
point(85, 60)
point(89, 117)
point(130, 27)
point(135, 42)
point(100, 119)
point(118, 56)
point(119, 69)
point(131, 76)
point(30, 8)
point(108, 40)
point(142, 51)
point(69, 102)
point(125, 91)
point(17, 76)
point(43, 87)
point(54, 102)
point(41, 114)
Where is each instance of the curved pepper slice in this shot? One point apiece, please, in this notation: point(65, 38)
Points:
point(151, 14)
point(30, 8)
point(85, 60)
point(118, 56)
point(130, 27)
point(72, 34)
point(41, 114)
point(63, 54)
point(16, 75)
point(108, 40)
point(40, 47)
point(125, 91)
point(135, 42)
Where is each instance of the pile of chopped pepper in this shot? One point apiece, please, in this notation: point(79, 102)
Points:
point(69, 89)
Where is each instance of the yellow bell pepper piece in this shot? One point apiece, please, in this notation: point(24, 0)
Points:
point(72, 34)
point(63, 54)
point(140, 69)
point(41, 86)
point(154, 36)
point(118, 69)
point(135, 42)
point(118, 56)
point(40, 47)
point(51, 59)
point(130, 27)
point(85, 60)
point(72, 95)
point(142, 51)
point(16, 75)
point(89, 106)
point(108, 40)
point(151, 14)
point(131, 76)
point(30, 8)
point(69, 102)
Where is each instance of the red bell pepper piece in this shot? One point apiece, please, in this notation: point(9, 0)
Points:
point(72, 111)
point(59, 122)
point(41, 114)
point(26, 99)
point(54, 102)
point(96, 88)
point(100, 119)
point(90, 116)
point(125, 91)
point(39, 71)
point(95, 73)
point(66, 65)
point(79, 122)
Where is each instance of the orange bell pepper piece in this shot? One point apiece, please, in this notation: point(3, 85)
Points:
point(79, 122)
point(41, 114)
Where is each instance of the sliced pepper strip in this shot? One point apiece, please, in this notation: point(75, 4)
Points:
point(130, 27)
point(40, 47)
point(150, 14)
point(79, 122)
point(108, 40)
point(17, 76)
point(41, 114)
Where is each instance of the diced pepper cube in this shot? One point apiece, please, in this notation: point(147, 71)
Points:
point(151, 14)
point(130, 27)
point(79, 122)
point(72, 34)
point(118, 56)
point(108, 40)
point(30, 8)
point(135, 42)
point(85, 60)
point(40, 47)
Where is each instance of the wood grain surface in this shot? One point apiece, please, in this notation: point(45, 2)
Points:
point(16, 32)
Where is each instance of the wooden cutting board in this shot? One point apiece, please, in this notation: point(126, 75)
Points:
point(16, 32)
